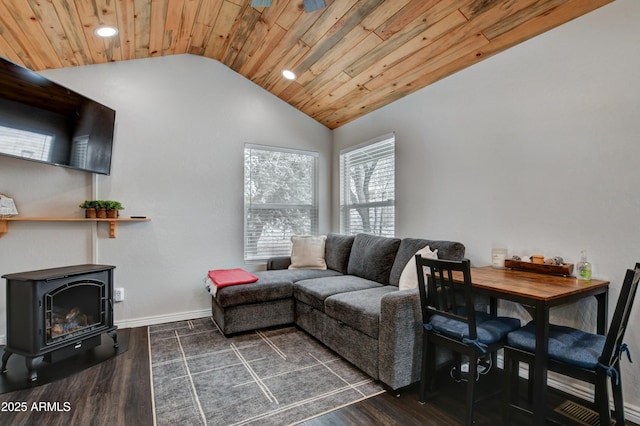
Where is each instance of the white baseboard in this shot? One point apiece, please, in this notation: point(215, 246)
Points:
point(161, 319)
point(632, 413)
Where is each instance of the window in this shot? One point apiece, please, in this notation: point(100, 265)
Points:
point(279, 199)
point(367, 188)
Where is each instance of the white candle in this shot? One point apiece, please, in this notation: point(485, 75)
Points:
point(498, 255)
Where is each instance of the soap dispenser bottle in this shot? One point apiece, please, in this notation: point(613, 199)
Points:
point(584, 267)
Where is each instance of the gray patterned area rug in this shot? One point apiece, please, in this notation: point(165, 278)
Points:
point(271, 377)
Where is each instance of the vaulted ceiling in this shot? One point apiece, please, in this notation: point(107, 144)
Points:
point(351, 57)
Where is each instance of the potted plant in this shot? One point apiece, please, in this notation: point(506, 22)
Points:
point(101, 208)
point(112, 208)
point(89, 207)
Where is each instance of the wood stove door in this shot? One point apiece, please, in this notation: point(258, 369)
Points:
point(74, 309)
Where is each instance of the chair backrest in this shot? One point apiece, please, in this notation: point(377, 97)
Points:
point(613, 343)
point(447, 290)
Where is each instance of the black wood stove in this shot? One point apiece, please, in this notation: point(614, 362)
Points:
point(53, 314)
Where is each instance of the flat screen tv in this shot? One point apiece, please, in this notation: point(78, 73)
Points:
point(45, 122)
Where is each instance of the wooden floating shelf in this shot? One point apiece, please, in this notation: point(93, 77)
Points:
point(4, 223)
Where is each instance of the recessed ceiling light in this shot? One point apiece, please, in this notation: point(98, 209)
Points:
point(106, 31)
point(289, 75)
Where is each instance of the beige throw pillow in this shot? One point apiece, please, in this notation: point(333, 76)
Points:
point(307, 252)
point(409, 276)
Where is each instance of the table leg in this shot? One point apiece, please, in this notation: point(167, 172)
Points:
point(493, 310)
point(493, 306)
point(603, 307)
point(540, 364)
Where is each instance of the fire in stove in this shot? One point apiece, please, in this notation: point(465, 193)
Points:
point(67, 321)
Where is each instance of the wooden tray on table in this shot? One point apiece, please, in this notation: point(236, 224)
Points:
point(565, 269)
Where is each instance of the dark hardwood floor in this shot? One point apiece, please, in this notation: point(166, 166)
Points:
point(118, 392)
point(114, 392)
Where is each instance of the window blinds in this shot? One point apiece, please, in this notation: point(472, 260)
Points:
point(279, 199)
point(367, 188)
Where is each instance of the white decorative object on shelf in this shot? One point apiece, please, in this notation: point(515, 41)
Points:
point(7, 206)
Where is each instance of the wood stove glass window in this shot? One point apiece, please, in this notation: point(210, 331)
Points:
point(73, 309)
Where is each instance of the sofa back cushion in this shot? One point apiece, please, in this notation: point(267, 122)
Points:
point(337, 251)
point(372, 257)
point(449, 250)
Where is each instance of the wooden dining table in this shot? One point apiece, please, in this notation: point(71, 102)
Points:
point(540, 292)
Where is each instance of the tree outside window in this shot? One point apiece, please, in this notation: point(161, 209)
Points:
point(279, 198)
point(367, 190)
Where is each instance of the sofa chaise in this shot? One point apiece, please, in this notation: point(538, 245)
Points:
point(356, 306)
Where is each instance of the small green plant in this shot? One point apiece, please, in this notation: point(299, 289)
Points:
point(102, 204)
point(113, 205)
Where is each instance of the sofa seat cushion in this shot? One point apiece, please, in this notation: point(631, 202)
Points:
point(271, 285)
point(258, 292)
point(315, 291)
point(294, 275)
point(359, 309)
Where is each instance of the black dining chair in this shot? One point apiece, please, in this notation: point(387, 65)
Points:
point(450, 320)
point(591, 358)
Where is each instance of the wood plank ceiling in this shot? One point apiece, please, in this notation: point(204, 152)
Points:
point(352, 57)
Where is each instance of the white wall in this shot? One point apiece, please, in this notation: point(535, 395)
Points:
point(535, 149)
point(182, 122)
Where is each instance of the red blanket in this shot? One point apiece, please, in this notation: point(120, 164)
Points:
point(225, 277)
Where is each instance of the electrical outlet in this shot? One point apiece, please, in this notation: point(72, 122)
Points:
point(118, 294)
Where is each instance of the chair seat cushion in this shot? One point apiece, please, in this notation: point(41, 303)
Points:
point(490, 329)
point(566, 344)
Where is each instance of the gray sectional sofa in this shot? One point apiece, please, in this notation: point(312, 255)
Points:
point(354, 306)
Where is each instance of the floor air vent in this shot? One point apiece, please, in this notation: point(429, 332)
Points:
point(579, 414)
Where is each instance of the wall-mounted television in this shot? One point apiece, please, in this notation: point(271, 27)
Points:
point(45, 122)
